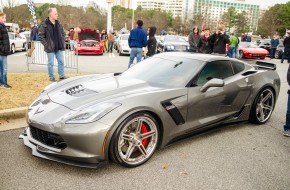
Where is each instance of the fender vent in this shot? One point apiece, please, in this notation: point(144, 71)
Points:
point(173, 112)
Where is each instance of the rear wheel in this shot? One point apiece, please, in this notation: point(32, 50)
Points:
point(277, 55)
point(13, 49)
point(135, 141)
point(263, 106)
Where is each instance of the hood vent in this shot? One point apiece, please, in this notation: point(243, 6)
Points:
point(78, 91)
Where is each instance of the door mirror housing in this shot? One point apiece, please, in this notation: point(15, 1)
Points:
point(212, 83)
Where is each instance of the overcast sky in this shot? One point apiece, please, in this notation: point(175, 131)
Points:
point(262, 3)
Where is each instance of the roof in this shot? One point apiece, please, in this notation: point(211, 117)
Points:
point(194, 56)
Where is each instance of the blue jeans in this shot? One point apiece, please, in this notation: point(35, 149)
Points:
point(237, 52)
point(272, 52)
point(3, 69)
point(287, 126)
point(111, 47)
point(60, 61)
point(135, 52)
point(231, 52)
point(72, 44)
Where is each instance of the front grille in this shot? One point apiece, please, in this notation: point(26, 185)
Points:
point(47, 138)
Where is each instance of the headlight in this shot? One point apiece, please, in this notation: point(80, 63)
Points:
point(170, 47)
point(92, 114)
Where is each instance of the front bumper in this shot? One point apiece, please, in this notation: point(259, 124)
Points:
point(41, 152)
point(78, 145)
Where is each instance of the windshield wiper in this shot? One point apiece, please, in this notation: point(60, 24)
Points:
point(176, 65)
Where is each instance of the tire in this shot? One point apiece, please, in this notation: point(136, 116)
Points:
point(263, 106)
point(13, 49)
point(128, 146)
point(120, 53)
point(241, 55)
point(277, 55)
point(25, 47)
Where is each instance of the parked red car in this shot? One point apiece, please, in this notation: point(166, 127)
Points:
point(88, 43)
point(250, 50)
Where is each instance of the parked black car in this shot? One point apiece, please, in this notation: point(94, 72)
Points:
point(172, 43)
point(280, 50)
point(265, 44)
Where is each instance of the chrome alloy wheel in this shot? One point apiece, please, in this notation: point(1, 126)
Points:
point(138, 140)
point(265, 105)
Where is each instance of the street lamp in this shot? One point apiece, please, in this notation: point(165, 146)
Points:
point(109, 16)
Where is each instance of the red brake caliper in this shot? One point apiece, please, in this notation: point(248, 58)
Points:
point(144, 130)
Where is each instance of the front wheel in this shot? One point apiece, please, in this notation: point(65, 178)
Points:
point(135, 141)
point(13, 49)
point(241, 55)
point(262, 107)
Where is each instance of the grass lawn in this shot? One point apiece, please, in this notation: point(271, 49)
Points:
point(25, 88)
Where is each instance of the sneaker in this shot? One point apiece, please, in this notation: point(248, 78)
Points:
point(52, 79)
point(286, 133)
point(7, 86)
point(62, 78)
point(1, 85)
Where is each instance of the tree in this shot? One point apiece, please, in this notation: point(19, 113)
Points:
point(276, 19)
point(242, 24)
point(178, 26)
point(230, 18)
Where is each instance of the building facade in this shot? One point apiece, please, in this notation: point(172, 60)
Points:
point(175, 7)
point(211, 11)
point(123, 3)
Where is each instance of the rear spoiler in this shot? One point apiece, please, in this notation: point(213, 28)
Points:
point(265, 65)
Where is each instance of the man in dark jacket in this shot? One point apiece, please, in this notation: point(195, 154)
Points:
point(205, 45)
point(137, 40)
point(151, 42)
point(52, 36)
point(220, 40)
point(286, 44)
point(287, 125)
point(4, 52)
point(274, 45)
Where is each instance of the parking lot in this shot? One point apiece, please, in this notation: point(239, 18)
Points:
point(239, 156)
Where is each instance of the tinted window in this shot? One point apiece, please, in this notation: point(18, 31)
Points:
point(238, 66)
point(215, 69)
point(169, 71)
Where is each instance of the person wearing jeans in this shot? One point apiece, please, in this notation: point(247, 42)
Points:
point(287, 125)
point(52, 36)
point(137, 40)
point(274, 44)
point(286, 44)
point(111, 42)
point(4, 51)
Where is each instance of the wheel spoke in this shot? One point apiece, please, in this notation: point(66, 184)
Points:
point(269, 95)
point(267, 107)
point(148, 134)
point(129, 151)
point(126, 137)
point(262, 115)
point(142, 149)
point(139, 126)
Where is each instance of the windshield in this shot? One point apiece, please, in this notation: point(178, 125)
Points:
point(248, 45)
point(125, 37)
point(174, 39)
point(168, 71)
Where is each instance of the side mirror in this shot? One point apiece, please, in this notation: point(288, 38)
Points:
point(212, 83)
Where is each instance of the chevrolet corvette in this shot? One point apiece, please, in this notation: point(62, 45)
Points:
point(124, 117)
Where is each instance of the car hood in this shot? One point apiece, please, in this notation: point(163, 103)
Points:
point(89, 92)
point(176, 44)
point(255, 50)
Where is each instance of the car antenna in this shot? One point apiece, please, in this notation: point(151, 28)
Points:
point(176, 65)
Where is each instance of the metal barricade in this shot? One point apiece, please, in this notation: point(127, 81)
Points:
point(37, 56)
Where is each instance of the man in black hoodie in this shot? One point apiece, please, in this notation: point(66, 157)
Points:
point(52, 36)
point(4, 51)
point(205, 44)
point(151, 46)
point(219, 41)
point(286, 44)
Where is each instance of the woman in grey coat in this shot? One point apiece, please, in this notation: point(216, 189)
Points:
point(194, 39)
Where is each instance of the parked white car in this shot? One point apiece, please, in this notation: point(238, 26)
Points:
point(18, 42)
point(123, 46)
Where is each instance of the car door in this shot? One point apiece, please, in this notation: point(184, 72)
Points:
point(217, 103)
point(18, 42)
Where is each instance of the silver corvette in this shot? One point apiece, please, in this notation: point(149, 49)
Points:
point(88, 120)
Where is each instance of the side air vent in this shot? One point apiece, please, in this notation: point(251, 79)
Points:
point(173, 112)
point(249, 73)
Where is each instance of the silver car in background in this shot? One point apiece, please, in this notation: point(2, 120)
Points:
point(88, 120)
